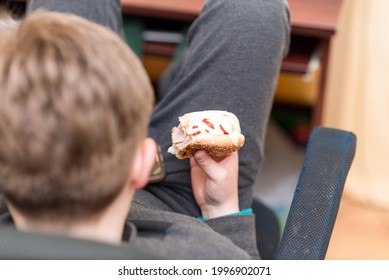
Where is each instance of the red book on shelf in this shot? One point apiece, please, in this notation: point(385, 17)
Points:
point(159, 49)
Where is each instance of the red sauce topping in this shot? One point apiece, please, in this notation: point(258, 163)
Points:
point(224, 131)
point(207, 122)
point(196, 133)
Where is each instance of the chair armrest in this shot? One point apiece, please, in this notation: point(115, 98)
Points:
point(316, 200)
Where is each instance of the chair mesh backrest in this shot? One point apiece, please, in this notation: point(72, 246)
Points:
point(315, 205)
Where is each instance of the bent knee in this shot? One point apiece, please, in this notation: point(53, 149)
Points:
point(251, 9)
point(258, 19)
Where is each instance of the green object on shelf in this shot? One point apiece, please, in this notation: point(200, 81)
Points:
point(183, 45)
point(133, 29)
point(294, 121)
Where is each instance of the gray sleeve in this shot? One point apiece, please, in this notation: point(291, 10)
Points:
point(239, 229)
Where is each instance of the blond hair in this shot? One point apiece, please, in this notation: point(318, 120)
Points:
point(74, 104)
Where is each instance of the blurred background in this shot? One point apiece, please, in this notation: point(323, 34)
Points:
point(336, 75)
point(356, 99)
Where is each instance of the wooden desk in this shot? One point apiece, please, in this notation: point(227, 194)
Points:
point(317, 19)
point(313, 19)
point(185, 10)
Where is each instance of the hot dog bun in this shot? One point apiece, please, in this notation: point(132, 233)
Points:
point(216, 132)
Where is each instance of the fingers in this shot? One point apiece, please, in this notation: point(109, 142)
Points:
point(215, 183)
point(214, 167)
point(203, 160)
point(206, 163)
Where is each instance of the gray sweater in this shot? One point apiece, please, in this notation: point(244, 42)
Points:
point(154, 227)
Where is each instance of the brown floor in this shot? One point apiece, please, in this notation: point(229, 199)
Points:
point(361, 232)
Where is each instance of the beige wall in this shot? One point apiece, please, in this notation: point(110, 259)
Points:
point(358, 94)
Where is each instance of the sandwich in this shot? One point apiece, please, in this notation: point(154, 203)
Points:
point(216, 132)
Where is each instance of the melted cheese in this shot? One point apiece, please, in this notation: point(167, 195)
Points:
point(211, 123)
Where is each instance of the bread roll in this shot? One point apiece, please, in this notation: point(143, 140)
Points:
point(216, 132)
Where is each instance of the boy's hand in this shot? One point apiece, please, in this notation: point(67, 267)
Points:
point(215, 184)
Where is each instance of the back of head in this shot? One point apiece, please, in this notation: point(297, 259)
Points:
point(74, 104)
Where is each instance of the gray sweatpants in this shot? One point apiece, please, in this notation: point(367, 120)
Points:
point(232, 63)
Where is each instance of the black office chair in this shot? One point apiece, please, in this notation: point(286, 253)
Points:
point(306, 234)
point(316, 200)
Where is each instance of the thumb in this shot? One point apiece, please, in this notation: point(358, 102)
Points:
point(206, 163)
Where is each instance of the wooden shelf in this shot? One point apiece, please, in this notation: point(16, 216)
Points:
point(159, 49)
point(301, 53)
point(186, 10)
point(316, 18)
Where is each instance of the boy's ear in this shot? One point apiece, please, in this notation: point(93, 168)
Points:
point(142, 164)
